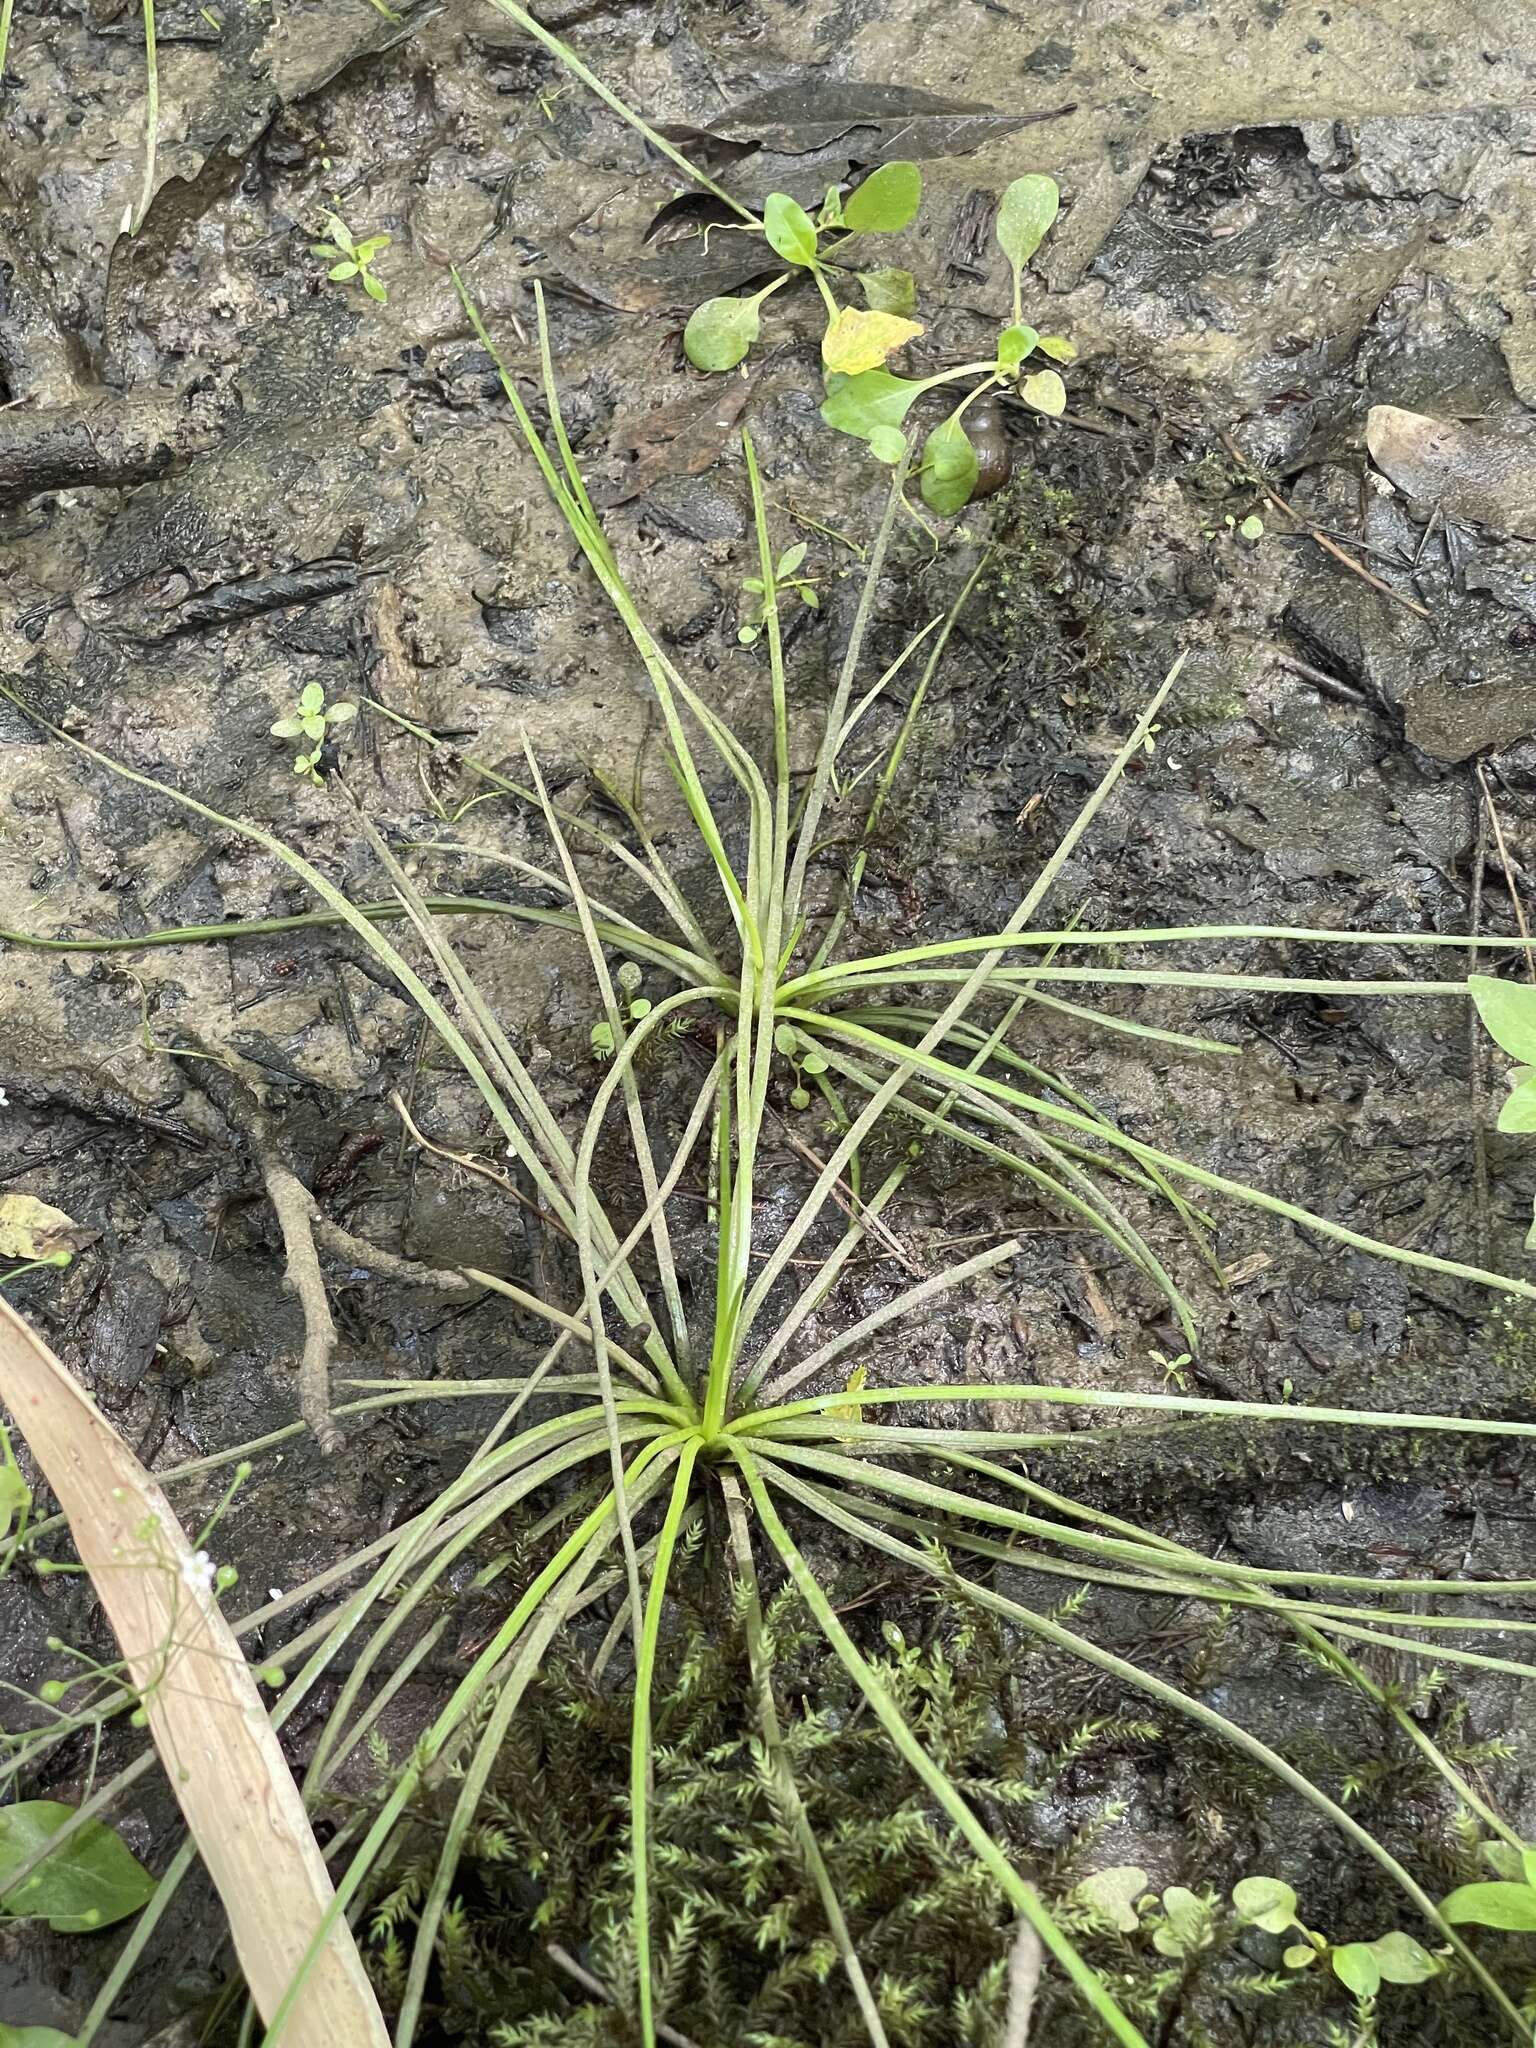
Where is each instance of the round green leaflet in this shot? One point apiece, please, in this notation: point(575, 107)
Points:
point(1266, 1902)
point(720, 332)
point(1014, 344)
point(1045, 392)
point(1357, 1969)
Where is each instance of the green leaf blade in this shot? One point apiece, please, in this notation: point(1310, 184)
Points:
point(1508, 1906)
point(889, 290)
point(1402, 1960)
point(863, 404)
point(1508, 1013)
point(791, 231)
point(1356, 1969)
point(1518, 1111)
point(1014, 344)
point(1045, 392)
point(1025, 217)
point(91, 1881)
point(949, 468)
point(720, 332)
point(886, 202)
point(1265, 1902)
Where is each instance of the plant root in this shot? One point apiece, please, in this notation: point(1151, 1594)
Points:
point(297, 1215)
point(1024, 1960)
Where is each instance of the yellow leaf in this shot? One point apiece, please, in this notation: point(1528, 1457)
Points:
point(861, 341)
point(849, 1411)
point(30, 1229)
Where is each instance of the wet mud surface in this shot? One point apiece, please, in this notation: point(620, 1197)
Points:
point(223, 479)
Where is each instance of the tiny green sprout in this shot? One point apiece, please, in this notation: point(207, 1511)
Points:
point(786, 576)
point(273, 1675)
point(629, 976)
point(225, 1577)
point(1362, 1967)
point(601, 1040)
point(243, 1471)
point(312, 721)
point(349, 258)
point(139, 1718)
point(1173, 1369)
point(51, 1691)
point(1252, 528)
point(1188, 1923)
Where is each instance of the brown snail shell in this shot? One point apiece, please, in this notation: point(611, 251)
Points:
point(988, 435)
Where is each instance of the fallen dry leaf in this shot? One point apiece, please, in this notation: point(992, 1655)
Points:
point(1481, 470)
point(681, 439)
point(30, 1229)
point(220, 1751)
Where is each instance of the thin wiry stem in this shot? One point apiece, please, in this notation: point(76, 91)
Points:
point(644, 1472)
point(525, 1665)
point(649, 1636)
point(611, 100)
point(1053, 1632)
point(589, 537)
point(814, 982)
point(1328, 1616)
point(151, 114)
point(788, 1791)
point(652, 872)
point(639, 1137)
point(1060, 1181)
point(886, 1093)
point(1143, 1551)
point(1021, 1896)
point(826, 755)
point(893, 763)
point(1168, 1404)
point(904, 1304)
point(921, 1060)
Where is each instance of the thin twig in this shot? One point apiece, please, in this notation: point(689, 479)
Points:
point(470, 1164)
point(1329, 686)
point(389, 1265)
point(1509, 871)
point(1273, 497)
point(1477, 1062)
point(296, 1215)
point(856, 1211)
point(1024, 1962)
point(595, 1986)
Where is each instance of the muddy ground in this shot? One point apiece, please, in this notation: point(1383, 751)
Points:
point(1277, 216)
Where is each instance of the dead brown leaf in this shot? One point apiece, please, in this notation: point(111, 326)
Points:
point(681, 439)
point(219, 1749)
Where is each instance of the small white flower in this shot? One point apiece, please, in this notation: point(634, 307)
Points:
point(197, 1572)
